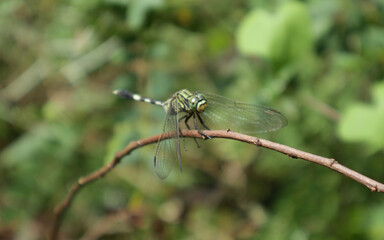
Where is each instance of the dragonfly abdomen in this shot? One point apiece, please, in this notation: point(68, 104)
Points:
point(136, 97)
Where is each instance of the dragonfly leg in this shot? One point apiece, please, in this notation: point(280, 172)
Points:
point(186, 123)
point(201, 121)
point(187, 117)
point(194, 121)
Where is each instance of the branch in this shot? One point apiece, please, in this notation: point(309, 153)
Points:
point(291, 152)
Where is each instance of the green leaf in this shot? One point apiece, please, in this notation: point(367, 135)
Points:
point(138, 10)
point(255, 33)
point(281, 37)
point(364, 122)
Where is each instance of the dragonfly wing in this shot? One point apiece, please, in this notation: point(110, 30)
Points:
point(225, 113)
point(168, 149)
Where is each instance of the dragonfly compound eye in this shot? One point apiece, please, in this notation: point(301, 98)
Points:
point(201, 103)
point(193, 103)
point(198, 103)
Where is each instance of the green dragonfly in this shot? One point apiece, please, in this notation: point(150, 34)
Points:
point(199, 111)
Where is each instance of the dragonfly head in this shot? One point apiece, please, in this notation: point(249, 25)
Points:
point(198, 103)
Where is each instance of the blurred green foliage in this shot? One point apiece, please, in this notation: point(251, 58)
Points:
point(320, 62)
point(282, 37)
point(372, 115)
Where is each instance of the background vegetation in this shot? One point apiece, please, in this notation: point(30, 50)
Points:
point(320, 62)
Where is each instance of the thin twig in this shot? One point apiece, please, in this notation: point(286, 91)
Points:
point(291, 152)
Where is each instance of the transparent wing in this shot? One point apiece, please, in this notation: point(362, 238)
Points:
point(224, 113)
point(168, 150)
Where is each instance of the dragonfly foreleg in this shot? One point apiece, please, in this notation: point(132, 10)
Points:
point(187, 117)
point(201, 121)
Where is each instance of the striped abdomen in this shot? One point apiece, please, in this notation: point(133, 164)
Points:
point(128, 95)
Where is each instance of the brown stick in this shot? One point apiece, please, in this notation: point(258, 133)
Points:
point(291, 152)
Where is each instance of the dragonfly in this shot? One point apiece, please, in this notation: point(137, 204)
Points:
point(199, 111)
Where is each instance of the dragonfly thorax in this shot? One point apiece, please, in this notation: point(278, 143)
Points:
point(185, 101)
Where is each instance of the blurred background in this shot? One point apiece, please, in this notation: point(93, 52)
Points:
point(320, 62)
